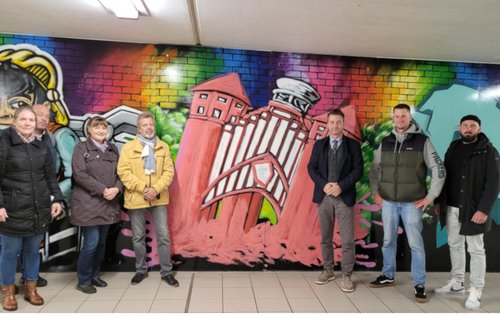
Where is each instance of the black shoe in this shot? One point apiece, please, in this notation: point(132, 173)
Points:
point(87, 288)
point(420, 295)
point(170, 279)
point(41, 282)
point(138, 277)
point(98, 282)
point(382, 281)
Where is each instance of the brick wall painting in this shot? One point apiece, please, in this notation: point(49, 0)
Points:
point(241, 125)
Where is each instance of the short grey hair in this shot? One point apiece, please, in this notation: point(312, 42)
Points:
point(144, 115)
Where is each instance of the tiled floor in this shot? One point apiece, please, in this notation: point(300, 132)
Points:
point(252, 292)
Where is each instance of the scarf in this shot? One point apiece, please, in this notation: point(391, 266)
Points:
point(148, 153)
point(102, 147)
point(26, 140)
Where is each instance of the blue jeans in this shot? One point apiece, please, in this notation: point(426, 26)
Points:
point(138, 224)
point(11, 247)
point(412, 221)
point(92, 252)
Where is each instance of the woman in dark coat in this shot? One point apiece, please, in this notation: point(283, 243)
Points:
point(95, 200)
point(30, 199)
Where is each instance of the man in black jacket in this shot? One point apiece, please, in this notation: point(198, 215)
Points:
point(335, 166)
point(469, 193)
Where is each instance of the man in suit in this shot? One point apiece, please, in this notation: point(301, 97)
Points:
point(335, 166)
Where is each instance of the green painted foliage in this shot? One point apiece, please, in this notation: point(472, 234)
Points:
point(169, 126)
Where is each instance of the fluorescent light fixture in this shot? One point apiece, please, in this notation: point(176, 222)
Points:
point(125, 9)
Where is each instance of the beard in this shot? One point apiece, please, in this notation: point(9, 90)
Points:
point(468, 138)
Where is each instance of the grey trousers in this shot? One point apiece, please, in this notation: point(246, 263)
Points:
point(328, 210)
point(475, 247)
point(138, 224)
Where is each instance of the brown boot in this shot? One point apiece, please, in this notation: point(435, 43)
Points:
point(31, 294)
point(9, 298)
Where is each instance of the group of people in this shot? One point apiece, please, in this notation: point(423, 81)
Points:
point(463, 190)
point(31, 198)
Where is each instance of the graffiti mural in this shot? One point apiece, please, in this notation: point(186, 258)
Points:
point(242, 180)
point(241, 126)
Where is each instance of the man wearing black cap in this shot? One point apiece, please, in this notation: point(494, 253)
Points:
point(469, 193)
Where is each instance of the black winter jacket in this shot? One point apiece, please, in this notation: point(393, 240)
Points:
point(480, 184)
point(27, 182)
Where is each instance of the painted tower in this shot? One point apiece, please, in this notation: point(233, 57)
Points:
point(243, 166)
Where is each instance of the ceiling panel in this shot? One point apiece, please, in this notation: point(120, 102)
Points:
point(448, 30)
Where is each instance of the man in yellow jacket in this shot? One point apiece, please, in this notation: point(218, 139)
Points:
point(146, 170)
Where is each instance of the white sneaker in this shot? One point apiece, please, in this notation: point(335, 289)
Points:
point(452, 286)
point(474, 300)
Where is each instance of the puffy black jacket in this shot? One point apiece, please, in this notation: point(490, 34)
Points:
point(27, 182)
point(480, 185)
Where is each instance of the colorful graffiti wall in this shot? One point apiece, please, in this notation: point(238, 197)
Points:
point(241, 126)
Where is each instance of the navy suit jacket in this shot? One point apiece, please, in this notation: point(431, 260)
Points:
point(350, 173)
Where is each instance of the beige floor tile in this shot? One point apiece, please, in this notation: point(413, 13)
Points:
point(47, 294)
point(491, 305)
point(106, 294)
point(369, 305)
point(172, 293)
point(208, 274)
point(256, 275)
point(305, 305)
point(276, 305)
point(330, 290)
point(183, 274)
point(338, 304)
point(294, 281)
point(133, 306)
point(268, 292)
point(202, 282)
point(435, 306)
point(239, 305)
point(490, 292)
point(70, 295)
point(236, 282)
point(168, 306)
point(299, 292)
point(139, 294)
point(401, 304)
point(118, 279)
point(105, 306)
point(237, 293)
point(387, 292)
point(61, 307)
point(207, 293)
point(361, 292)
point(271, 281)
point(205, 305)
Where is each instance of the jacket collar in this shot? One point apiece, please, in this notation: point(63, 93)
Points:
point(481, 143)
point(16, 140)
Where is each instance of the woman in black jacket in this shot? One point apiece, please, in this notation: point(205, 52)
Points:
point(95, 200)
point(30, 199)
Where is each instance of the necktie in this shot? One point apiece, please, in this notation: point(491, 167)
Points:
point(335, 145)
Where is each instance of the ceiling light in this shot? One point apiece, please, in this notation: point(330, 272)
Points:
point(125, 9)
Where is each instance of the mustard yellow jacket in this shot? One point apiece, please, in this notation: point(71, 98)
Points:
point(131, 173)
